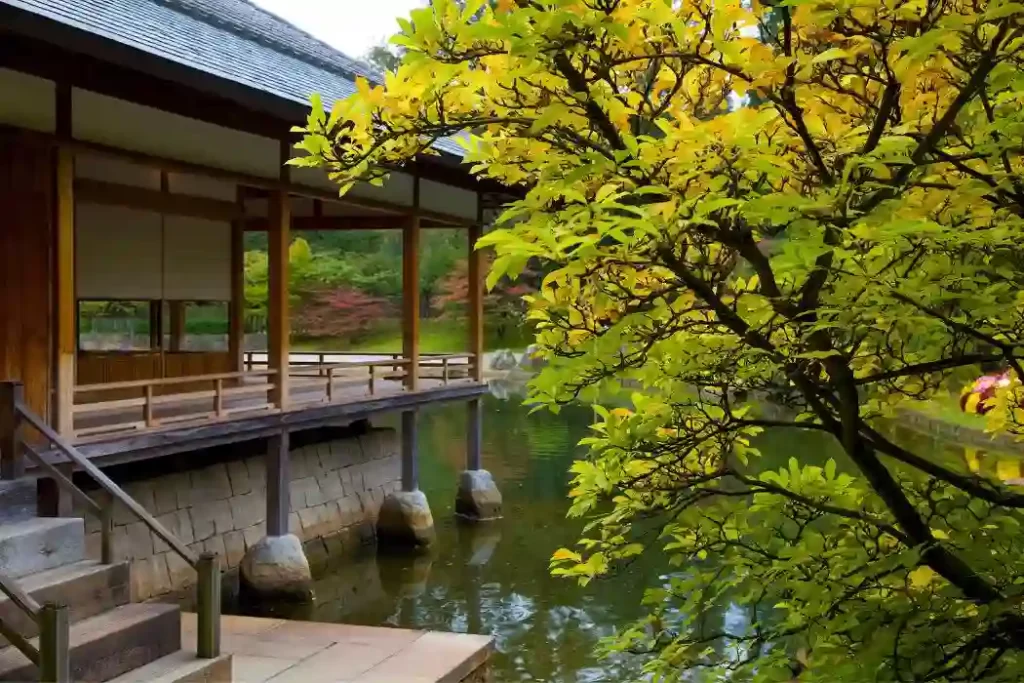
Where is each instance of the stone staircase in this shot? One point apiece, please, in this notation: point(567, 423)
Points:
point(111, 639)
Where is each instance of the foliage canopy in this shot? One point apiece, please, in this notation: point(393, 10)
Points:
point(837, 247)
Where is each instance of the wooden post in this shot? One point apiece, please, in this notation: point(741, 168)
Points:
point(54, 644)
point(177, 315)
point(208, 606)
point(278, 479)
point(410, 464)
point(278, 241)
point(52, 499)
point(411, 301)
point(156, 320)
point(65, 313)
point(12, 461)
point(476, 304)
point(474, 433)
point(236, 308)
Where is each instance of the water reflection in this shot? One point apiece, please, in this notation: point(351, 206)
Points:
point(493, 579)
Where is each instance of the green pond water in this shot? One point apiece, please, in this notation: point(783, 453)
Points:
point(493, 579)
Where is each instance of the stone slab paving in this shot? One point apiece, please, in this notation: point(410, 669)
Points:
point(280, 651)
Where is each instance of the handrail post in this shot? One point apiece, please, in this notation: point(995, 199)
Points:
point(218, 386)
point(373, 378)
point(107, 533)
point(12, 462)
point(208, 606)
point(330, 385)
point(444, 371)
point(54, 644)
point(147, 409)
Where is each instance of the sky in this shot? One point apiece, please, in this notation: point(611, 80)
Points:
point(352, 26)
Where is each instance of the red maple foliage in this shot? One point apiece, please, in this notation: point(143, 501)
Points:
point(339, 312)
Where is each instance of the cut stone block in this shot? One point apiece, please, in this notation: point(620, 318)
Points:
point(35, 545)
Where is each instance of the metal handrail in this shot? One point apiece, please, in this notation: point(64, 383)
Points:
point(207, 565)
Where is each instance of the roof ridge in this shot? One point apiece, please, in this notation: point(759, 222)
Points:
point(200, 11)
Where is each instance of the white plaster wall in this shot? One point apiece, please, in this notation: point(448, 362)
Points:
point(28, 101)
point(196, 259)
point(110, 121)
point(117, 253)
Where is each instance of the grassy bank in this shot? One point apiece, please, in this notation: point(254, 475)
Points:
point(436, 336)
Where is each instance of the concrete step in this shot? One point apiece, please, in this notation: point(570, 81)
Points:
point(88, 588)
point(105, 646)
point(34, 545)
point(182, 666)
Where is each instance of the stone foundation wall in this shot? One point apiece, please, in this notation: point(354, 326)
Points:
point(336, 487)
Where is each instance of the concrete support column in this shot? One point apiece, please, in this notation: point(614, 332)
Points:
point(276, 567)
point(478, 498)
point(405, 519)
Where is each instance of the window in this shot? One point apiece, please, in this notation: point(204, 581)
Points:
point(115, 325)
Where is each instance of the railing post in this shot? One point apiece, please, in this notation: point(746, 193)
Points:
point(54, 644)
point(107, 534)
point(147, 409)
point(208, 606)
point(330, 385)
point(444, 371)
point(218, 387)
point(12, 462)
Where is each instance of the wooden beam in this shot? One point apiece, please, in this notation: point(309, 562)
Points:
point(411, 300)
point(389, 222)
point(278, 241)
point(476, 303)
point(236, 308)
point(113, 194)
point(65, 302)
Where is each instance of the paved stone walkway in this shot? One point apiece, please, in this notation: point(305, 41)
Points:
point(280, 651)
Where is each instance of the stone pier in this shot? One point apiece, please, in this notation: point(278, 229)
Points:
point(405, 520)
point(478, 498)
point(336, 487)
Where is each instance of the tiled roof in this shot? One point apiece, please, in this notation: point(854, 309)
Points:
point(231, 39)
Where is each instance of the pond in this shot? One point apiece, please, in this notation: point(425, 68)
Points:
point(493, 579)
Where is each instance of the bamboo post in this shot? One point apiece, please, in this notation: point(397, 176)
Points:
point(54, 644)
point(12, 461)
point(411, 301)
point(208, 606)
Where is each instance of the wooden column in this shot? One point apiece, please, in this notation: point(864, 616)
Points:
point(65, 304)
point(474, 433)
point(177, 315)
point(156, 320)
point(12, 463)
point(476, 303)
point(278, 239)
point(411, 301)
point(278, 478)
point(410, 463)
point(236, 308)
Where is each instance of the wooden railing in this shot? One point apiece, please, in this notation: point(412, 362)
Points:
point(157, 406)
point(52, 656)
point(51, 619)
point(316, 377)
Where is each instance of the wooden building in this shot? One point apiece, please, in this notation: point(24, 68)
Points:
point(139, 139)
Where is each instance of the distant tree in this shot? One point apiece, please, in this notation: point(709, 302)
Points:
point(339, 312)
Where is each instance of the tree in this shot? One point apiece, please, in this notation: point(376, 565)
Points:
point(881, 154)
point(339, 312)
